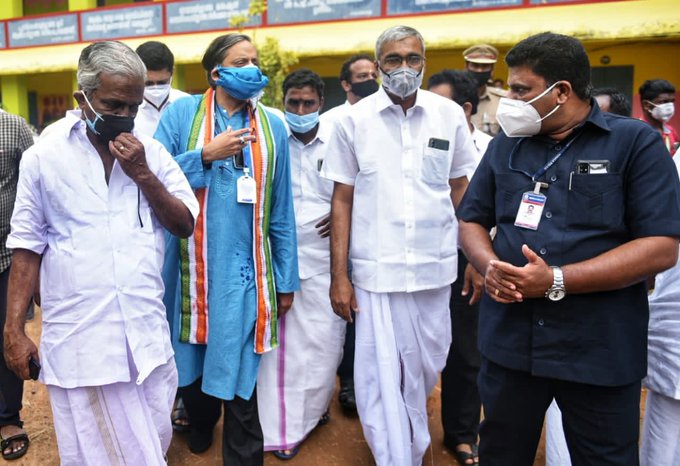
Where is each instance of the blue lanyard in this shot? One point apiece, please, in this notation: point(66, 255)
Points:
point(541, 171)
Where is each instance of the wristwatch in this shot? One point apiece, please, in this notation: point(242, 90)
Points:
point(557, 290)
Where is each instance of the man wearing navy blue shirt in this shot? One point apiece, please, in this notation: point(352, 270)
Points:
point(586, 206)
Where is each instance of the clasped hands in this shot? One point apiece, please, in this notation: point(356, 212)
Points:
point(506, 283)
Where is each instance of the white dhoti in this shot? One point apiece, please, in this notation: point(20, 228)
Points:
point(556, 450)
point(402, 340)
point(118, 424)
point(661, 431)
point(296, 382)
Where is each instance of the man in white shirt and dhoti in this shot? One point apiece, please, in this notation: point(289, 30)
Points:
point(297, 381)
point(399, 161)
point(92, 201)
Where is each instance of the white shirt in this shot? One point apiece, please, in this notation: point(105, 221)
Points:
point(148, 116)
point(481, 141)
point(404, 231)
point(332, 115)
point(100, 276)
point(663, 347)
point(312, 200)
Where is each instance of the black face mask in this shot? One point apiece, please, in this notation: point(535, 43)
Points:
point(481, 76)
point(108, 127)
point(364, 88)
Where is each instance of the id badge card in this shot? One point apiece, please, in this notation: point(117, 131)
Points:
point(245, 190)
point(530, 210)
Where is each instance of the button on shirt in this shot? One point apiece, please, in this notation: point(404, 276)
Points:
point(102, 250)
point(404, 231)
point(596, 338)
point(312, 200)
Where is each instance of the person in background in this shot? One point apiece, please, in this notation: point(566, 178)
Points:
point(297, 381)
point(657, 97)
point(399, 160)
point(226, 285)
point(359, 79)
point(461, 406)
point(480, 60)
point(15, 138)
point(93, 201)
point(661, 427)
point(612, 100)
point(158, 91)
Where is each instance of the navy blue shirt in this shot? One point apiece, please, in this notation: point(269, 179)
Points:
point(595, 338)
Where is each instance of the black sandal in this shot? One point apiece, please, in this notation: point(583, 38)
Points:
point(180, 418)
point(464, 456)
point(6, 443)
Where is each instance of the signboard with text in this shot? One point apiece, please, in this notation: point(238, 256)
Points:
point(122, 22)
point(398, 7)
point(204, 15)
point(304, 11)
point(43, 31)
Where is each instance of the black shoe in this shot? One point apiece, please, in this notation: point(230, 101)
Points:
point(347, 399)
point(200, 440)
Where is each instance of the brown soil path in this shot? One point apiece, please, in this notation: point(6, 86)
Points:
point(339, 443)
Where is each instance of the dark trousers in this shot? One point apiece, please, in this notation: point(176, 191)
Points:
point(242, 440)
point(460, 396)
point(601, 424)
point(346, 367)
point(11, 386)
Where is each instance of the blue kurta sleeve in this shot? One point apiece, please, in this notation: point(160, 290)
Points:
point(173, 132)
point(282, 224)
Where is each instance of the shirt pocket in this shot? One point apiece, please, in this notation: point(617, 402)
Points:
point(224, 179)
point(595, 200)
point(509, 190)
point(436, 166)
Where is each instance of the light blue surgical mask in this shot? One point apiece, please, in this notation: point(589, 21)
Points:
point(302, 124)
point(241, 83)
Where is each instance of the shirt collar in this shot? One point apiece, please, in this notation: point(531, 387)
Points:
point(74, 121)
point(383, 100)
point(322, 134)
point(596, 116)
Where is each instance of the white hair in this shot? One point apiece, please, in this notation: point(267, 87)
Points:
point(395, 34)
point(109, 57)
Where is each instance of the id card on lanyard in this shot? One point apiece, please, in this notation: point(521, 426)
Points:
point(246, 189)
point(533, 202)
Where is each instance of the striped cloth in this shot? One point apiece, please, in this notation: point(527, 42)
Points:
point(194, 320)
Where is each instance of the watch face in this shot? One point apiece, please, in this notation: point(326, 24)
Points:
point(556, 295)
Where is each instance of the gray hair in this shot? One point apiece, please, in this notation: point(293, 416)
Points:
point(109, 57)
point(395, 34)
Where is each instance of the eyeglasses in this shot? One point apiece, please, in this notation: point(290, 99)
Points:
point(393, 61)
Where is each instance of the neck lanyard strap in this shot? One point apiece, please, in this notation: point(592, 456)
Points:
point(541, 171)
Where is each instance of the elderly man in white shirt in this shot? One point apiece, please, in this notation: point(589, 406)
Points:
point(92, 201)
point(296, 383)
point(158, 90)
point(399, 161)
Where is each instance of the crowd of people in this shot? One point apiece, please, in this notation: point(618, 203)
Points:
point(206, 256)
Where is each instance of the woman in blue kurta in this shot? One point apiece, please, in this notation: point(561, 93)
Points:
point(225, 368)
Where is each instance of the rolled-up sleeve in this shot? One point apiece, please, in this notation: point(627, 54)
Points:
point(28, 224)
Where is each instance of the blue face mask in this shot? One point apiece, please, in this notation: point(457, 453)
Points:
point(302, 124)
point(241, 83)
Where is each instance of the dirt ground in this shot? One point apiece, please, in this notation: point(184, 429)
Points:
point(338, 443)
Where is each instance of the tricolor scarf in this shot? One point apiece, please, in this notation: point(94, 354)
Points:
point(193, 251)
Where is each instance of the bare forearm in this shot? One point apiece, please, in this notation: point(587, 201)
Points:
point(458, 187)
point(341, 214)
point(623, 266)
point(476, 244)
point(23, 280)
point(170, 211)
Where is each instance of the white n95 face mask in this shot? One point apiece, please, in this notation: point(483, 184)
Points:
point(157, 95)
point(520, 119)
point(663, 112)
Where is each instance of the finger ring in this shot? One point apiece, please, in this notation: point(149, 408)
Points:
point(242, 139)
point(121, 148)
point(497, 292)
